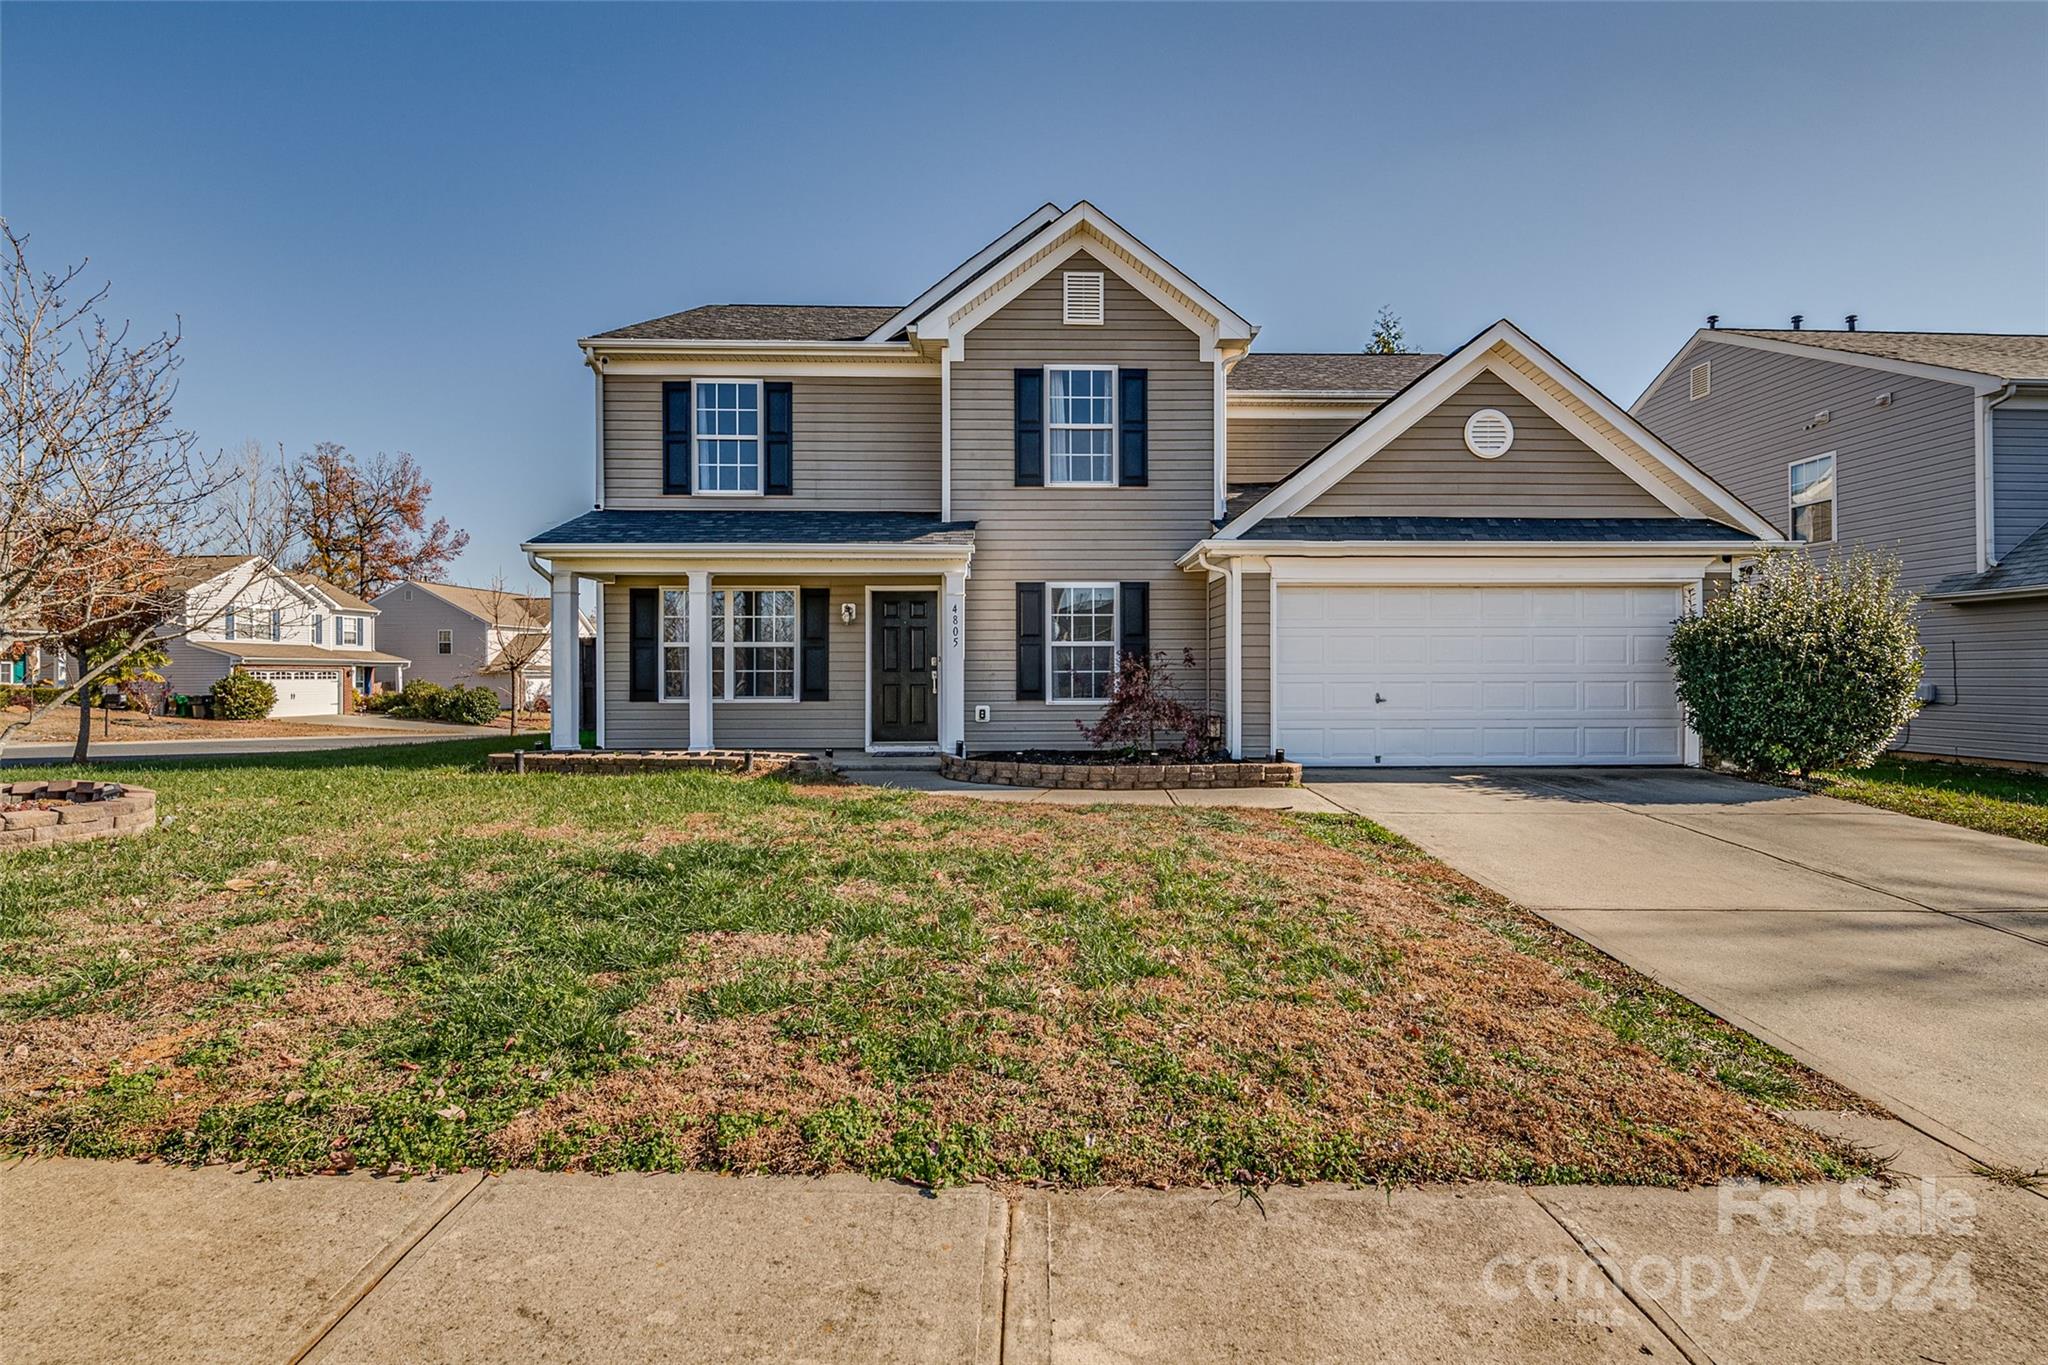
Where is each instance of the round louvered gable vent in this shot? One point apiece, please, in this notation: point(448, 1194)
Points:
point(1489, 433)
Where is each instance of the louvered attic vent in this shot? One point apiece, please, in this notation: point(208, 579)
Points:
point(1489, 433)
point(1702, 378)
point(1083, 297)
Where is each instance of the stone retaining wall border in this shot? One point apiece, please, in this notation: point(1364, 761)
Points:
point(1121, 776)
point(70, 822)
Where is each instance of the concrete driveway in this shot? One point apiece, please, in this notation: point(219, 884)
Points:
point(1905, 958)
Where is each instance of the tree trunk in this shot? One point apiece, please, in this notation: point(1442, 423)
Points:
point(84, 700)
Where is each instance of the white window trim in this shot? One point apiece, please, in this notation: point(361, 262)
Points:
point(760, 439)
point(1834, 499)
point(1047, 423)
point(444, 641)
point(1116, 635)
point(723, 666)
point(662, 645)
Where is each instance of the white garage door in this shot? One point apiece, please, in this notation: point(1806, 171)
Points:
point(303, 691)
point(1395, 676)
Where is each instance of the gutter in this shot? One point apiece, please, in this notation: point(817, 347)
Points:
point(753, 548)
point(1348, 549)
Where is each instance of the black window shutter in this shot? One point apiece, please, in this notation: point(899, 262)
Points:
point(675, 438)
point(643, 620)
point(1132, 465)
point(1030, 427)
point(1134, 608)
point(778, 478)
point(1030, 641)
point(817, 638)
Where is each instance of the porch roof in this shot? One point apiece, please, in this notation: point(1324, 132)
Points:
point(271, 652)
point(755, 530)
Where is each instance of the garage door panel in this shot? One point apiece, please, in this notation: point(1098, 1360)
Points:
point(302, 692)
point(1477, 675)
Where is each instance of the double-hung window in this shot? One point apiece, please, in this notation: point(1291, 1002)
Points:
point(675, 644)
point(1813, 499)
point(728, 435)
point(753, 644)
point(444, 642)
point(1080, 424)
point(1082, 640)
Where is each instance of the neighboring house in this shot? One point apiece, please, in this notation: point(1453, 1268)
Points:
point(469, 637)
point(315, 643)
point(938, 525)
point(1931, 446)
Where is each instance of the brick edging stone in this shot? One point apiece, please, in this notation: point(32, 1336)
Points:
point(1120, 776)
point(132, 812)
point(757, 762)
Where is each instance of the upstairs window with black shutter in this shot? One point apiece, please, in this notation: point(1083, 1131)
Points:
point(778, 477)
point(1080, 425)
point(728, 437)
point(1133, 465)
point(675, 437)
point(1029, 425)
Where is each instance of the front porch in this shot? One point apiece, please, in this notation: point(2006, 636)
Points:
point(850, 640)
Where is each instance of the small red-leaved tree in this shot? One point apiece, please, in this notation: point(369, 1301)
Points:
point(1146, 703)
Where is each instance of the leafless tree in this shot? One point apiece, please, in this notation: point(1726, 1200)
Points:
point(255, 508)
point(516, 643)
point(100, 489)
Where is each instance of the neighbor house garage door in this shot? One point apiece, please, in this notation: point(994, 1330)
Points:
point(303, 691)
point(1414, 675)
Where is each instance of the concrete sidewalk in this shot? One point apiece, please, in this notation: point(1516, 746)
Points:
point(102, 1260)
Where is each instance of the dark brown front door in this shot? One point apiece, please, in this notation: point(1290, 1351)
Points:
point(906, 647)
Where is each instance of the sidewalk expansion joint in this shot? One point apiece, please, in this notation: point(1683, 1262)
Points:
point(463, 1188)
point(1653, 1313)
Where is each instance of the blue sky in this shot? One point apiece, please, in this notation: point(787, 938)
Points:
point(387, 225)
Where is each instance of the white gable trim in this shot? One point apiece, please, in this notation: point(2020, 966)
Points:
point(965, 271)
point(1973, 380)
point(1371, 436)
point(1085, 227)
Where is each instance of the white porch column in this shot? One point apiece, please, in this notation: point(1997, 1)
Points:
point(700, 660)
point(953, 662)
point(564, 692)
point(1233, 661)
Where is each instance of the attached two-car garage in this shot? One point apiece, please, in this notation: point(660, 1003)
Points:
point(1487, 674)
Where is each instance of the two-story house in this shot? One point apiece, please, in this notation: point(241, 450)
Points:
point(938, 525)
point(1928, 446)
point(468, 637)
point(314, 642)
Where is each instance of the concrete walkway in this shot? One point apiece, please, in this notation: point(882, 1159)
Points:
point(104, 1260)
point(1907, 959)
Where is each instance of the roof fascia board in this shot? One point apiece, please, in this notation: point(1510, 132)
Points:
point(1478, 549)
point(757, 549)
point(1974, 380)
point(1714, 495)
point(1059, 240)
point(763, 362)
point(1987, 594)
point(966, 272)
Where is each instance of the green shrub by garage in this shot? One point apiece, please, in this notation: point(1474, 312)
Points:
point(239, 696)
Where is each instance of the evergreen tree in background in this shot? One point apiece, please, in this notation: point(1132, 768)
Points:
point(1387, 336)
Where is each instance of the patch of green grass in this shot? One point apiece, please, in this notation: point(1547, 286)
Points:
point(1995, 800)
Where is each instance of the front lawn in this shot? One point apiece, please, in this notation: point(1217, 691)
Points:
point(1997, 800)
point(393, 960)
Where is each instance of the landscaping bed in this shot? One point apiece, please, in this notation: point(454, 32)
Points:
point(603, 762)
point(38, 812)
point(1102, 772)
point(396, 961)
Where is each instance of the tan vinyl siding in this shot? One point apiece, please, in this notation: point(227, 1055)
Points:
point(1906, 485)
point(1257, 674)
point(1217, 637)
point(837, 723)
point(858, 444)
point(1655, 468)
point(1077, 535)
point(1426, 471)
point(1268, 449)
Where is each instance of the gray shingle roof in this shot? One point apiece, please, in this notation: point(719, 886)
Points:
point(1330, 372)
point(2024, 569)
point(757, 528)
point(1591, 530)
point(757, 322)
point(2002, 355)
